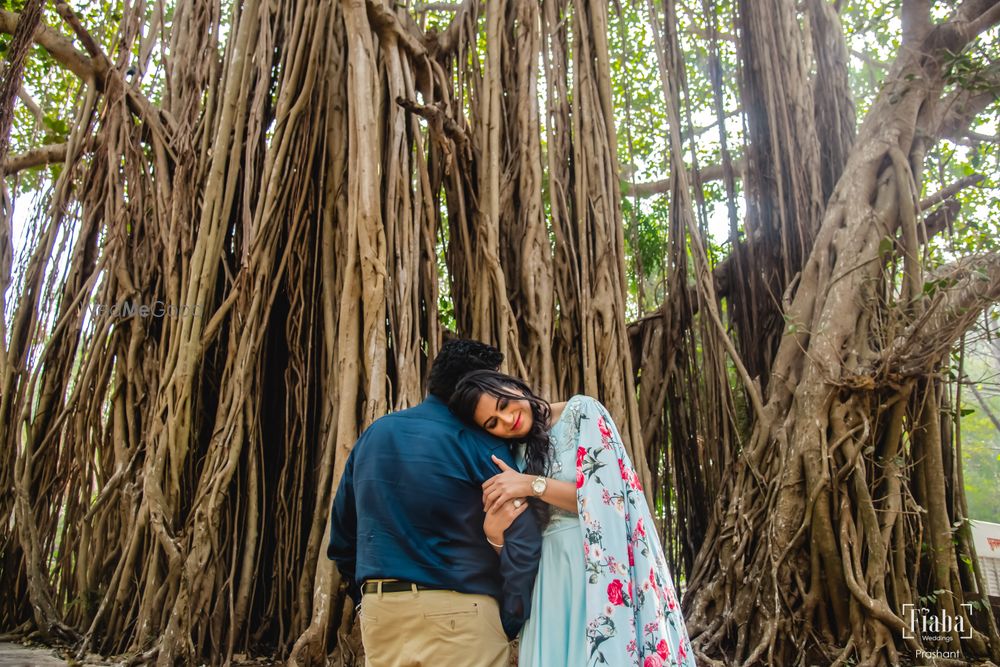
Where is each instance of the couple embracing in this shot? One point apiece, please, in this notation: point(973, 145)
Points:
point(485, 512)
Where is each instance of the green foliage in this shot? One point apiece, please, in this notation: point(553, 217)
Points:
point(13, 5)
point(969, 69)
point(643, 131)
point(56, 91)
point(645, 248)
point(638, 95)
point(980, 438)
point(932, 597)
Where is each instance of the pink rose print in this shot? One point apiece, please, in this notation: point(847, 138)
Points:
point(639, 529)
point(629, 476)
point(615, 592)
point(671, 599)
point(580, 453)
point(652, 661)
point(631, 556)
point(663, 649)
point(579, 479)
point(629, 589)
point(602, 426)
point(681, 653)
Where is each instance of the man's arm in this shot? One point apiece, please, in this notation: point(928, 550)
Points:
point(522, 549)
point(344, 530)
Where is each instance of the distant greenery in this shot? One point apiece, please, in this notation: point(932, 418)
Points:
point(980, 438)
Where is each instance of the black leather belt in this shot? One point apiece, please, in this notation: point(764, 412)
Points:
point(393, 587)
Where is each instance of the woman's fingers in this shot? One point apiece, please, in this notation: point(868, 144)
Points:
point(502, 502)
point(508, 508)
point(500, 517)
point(495, 497)
point(515, 511)
point(505, 473)
point(503, 466)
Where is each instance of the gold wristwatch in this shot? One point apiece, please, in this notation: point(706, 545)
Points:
point(538, 485)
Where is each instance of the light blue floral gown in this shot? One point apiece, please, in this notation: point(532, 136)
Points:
point(603, 594)
point(554, 632)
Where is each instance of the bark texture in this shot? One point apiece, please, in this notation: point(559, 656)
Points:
point(231, 282)
point(231, 279)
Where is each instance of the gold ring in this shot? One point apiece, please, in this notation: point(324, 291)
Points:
point(517, 503)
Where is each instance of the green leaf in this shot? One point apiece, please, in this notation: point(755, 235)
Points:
point(885, 246)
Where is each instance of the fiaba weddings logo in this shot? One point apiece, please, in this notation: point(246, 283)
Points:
point(934, 626)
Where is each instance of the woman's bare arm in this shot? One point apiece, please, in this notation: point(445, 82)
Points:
point(511, 484)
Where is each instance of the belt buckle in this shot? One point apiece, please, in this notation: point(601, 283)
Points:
point(378, 585)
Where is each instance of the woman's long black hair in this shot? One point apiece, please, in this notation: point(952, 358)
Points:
point(536, 442)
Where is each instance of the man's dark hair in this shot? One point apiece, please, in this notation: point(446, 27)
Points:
point(456, 358)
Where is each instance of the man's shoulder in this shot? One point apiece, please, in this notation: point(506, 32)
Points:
point(434, 416)
point(425, 410)
point(431, 414)
point(480, 438)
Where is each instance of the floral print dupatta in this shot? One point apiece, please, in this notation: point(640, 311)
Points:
point(632, 608)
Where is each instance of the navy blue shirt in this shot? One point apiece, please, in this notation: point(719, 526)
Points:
point(410, 507)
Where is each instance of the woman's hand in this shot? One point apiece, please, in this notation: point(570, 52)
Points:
point(499, 518)
point(506, 486)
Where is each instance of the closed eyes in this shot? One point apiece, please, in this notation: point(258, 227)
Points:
point(491, 423)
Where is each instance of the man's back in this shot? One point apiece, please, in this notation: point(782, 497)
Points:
point(410, 508)
point(418, 476)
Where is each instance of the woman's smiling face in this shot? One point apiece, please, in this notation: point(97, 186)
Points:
point(506, 418)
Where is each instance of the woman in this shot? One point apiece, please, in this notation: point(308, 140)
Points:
point(603, 595)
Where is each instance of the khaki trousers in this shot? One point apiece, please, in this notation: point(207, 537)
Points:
point(432, 629)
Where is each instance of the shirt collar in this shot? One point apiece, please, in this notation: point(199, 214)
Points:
point(436, 402)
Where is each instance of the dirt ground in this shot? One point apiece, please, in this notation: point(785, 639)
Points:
point(18, 655)
point(13, 654)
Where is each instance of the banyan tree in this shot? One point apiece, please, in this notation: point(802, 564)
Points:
point(236, 233)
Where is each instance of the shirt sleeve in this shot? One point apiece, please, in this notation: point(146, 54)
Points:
point(519, 556)
point(344, 530)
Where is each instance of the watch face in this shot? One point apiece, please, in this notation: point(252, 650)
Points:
point(538, 486)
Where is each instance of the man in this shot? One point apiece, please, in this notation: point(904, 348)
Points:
point(406, 532)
